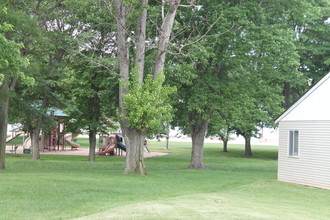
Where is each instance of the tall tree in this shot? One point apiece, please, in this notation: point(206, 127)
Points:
point(313, 44)
point(94, 95)
point(11, 63)
point(243, 58)
point(207, 40)
point(308, 19)
point(46, 39)
point(37, 26)
point(135, 135)
point(93, 80)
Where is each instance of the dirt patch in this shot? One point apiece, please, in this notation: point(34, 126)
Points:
point(79, 151)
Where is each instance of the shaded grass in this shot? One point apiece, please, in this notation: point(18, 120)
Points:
point(64, 187)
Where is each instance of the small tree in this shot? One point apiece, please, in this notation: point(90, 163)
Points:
point(221, 129)
point(146, 107)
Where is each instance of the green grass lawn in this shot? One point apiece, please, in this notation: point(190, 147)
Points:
point(66, 187)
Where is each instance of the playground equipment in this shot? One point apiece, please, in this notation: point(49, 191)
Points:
point(145, 146)
point(26, 142)
point(114, 145)
point(14, 135)
point(13, 150)
point(57, 139)
point(103, 142)
point(70, 140)
point(54, 140)
point(27, 145)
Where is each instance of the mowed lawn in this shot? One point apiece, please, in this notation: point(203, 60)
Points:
point(233, 187)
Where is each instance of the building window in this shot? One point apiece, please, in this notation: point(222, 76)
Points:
point(293, 143)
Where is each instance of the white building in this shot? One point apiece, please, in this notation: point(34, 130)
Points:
point(304, 138)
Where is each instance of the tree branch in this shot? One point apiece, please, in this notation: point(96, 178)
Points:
point(203, 36)
point(164, 38)
point(46, 16)
point(140, 41)
point(13, 82)
point(98, 64)
point(191, 4)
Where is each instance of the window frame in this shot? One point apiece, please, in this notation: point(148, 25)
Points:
point(293, 143)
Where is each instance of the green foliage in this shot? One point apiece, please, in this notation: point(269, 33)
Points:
point(221, 125)
point(238, 56)
point(44, 49)
point(90, 77)
point(11, 61)
point(313, 42)
point(147, 105)
point(235, 71)
point(92, 95)
point(307, 20)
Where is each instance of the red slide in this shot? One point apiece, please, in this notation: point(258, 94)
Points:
point(107, 150)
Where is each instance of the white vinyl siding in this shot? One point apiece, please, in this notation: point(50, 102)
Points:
point(293, 143)
point(312, 167)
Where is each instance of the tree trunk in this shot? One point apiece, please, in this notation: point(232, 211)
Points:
point(43, 140)
point(35, 144)
point(92, 144)
point(198, 131)
point(133, 138)
point(123, 52)
point(4, 105)
point(225, 144)
point(140, 42)
point(287, 95)
point(167, 140)
point(164, 37)
point(248, 152)
point(134, 141)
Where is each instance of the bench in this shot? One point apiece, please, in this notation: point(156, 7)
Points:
point(13, 151)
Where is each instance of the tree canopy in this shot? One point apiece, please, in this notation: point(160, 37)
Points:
point(208, 67)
